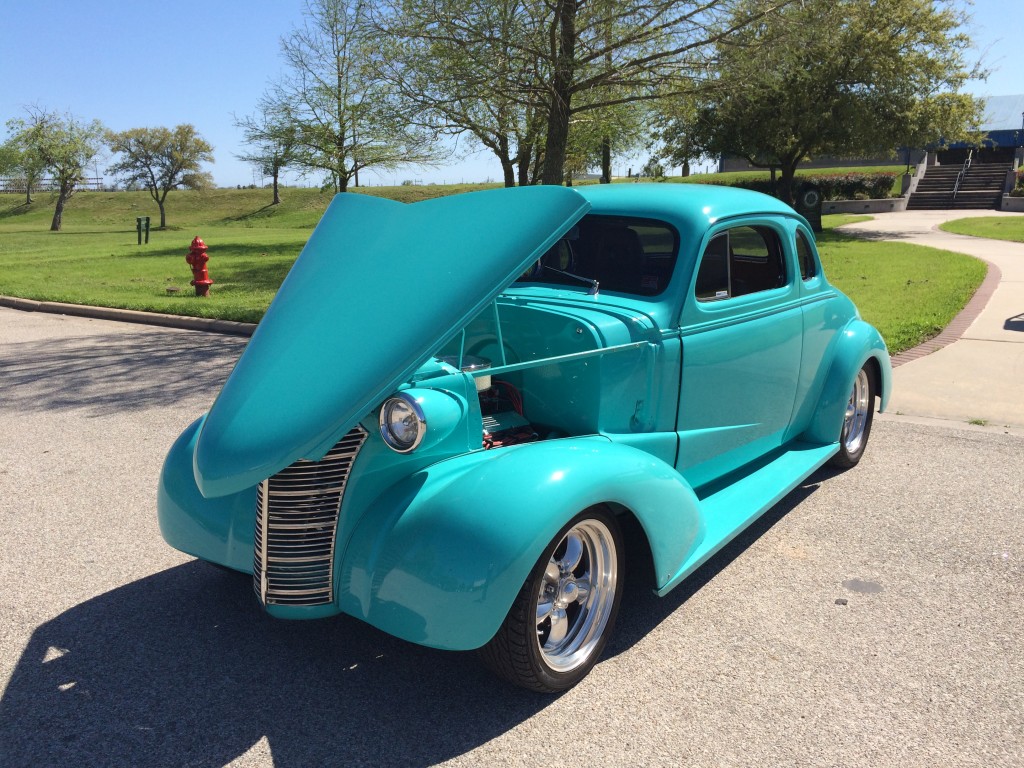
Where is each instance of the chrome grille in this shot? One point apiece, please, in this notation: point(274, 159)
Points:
point(296, 522)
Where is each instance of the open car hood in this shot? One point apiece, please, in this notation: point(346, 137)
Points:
point(378, 288)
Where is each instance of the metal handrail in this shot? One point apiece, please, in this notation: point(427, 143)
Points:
point(963, 172)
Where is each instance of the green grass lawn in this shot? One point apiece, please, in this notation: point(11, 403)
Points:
point(909, 292)
point(995, 227)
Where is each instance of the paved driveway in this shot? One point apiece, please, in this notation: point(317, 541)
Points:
point(116, 650)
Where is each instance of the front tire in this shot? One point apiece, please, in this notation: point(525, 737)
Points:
point(561, 619)
point(860, 410)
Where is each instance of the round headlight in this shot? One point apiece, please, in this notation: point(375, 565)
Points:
point(402, 424)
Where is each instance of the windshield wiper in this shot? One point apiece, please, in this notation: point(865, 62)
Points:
point(594, 285)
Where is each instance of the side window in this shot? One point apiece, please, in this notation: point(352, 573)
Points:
point(741, 261)
point(808, 268)
point(713, 276)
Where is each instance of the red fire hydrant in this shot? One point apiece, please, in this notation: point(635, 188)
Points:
point(197, 259)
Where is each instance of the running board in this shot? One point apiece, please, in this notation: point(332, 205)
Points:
point(730, 506)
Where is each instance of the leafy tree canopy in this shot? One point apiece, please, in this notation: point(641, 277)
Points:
point(63, 145)
point(161, 159)
point(346, 116)
point(838, 77)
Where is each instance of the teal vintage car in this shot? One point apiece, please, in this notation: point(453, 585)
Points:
point(456, 414)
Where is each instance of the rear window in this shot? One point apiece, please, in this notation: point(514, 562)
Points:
point(628, 255)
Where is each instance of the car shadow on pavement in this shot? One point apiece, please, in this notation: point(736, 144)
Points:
point(112, 373)
point(642, 610)
point(183, 668)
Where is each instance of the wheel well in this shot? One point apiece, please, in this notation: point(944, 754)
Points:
point(639, 560)
point(875, 372)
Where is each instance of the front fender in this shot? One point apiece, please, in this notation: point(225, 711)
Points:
point(858, 342)
point(220, 529)
point(439, 558)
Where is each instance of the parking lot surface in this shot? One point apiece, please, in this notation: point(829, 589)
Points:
point(875, 617)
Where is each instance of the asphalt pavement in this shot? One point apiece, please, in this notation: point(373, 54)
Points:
point(873, 618)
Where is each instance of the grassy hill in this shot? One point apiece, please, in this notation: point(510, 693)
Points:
point(96, 260)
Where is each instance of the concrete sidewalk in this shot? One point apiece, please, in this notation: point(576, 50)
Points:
point(979, 377)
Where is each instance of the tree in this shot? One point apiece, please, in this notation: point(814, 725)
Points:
point(345, 115)
point(272, 139)
point(161, 159)
point(485, 67)
point(673, 133)
point(20, 161)
point(462, 67)
point(61, 144)
point(621, 51)
point(593, 134)
point(842, 77)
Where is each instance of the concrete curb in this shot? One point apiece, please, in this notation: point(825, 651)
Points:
point(183, 322)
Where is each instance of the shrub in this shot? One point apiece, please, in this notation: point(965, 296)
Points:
point(653, 169)
point(834, 186)
point(855, 186)
point(1018, 188)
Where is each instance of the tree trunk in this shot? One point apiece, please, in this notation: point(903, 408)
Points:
point(58, 212)
point(686, 167)
point(788, 174)
point(561, 95)
point(606, 160)
point(28, 193)
point(277, 193)
point(507, 168)
point(508, 172)
point(163, 214)
point(523, 161)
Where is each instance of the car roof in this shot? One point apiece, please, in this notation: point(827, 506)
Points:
point(694, 206)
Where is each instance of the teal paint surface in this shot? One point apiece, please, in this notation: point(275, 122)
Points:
point(377, 288)
point(694, 418)
point(438, 558)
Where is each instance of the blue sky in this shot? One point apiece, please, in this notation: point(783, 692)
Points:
point(143, 63)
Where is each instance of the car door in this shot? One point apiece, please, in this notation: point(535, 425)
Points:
point(822, 324)
point(742, 330)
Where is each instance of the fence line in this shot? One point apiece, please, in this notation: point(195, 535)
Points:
point(17, 186)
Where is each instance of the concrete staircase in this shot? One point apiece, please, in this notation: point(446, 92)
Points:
point(981, 187)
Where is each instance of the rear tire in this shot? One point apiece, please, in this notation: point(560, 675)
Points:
point(562, 617)
point(860, 410)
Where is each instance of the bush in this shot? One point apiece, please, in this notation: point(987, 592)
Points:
point(653, 169)
point(1018, 188)
point(855, 186)
point(835, 186)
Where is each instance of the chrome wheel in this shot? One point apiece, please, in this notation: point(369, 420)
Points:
point(576, 595)
point(860, 409)
point(857, 413)
point(558, 625)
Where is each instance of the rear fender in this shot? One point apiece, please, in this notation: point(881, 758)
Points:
point(439, 558)
point(858, 343)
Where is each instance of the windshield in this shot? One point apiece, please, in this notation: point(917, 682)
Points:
point(624, 254)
